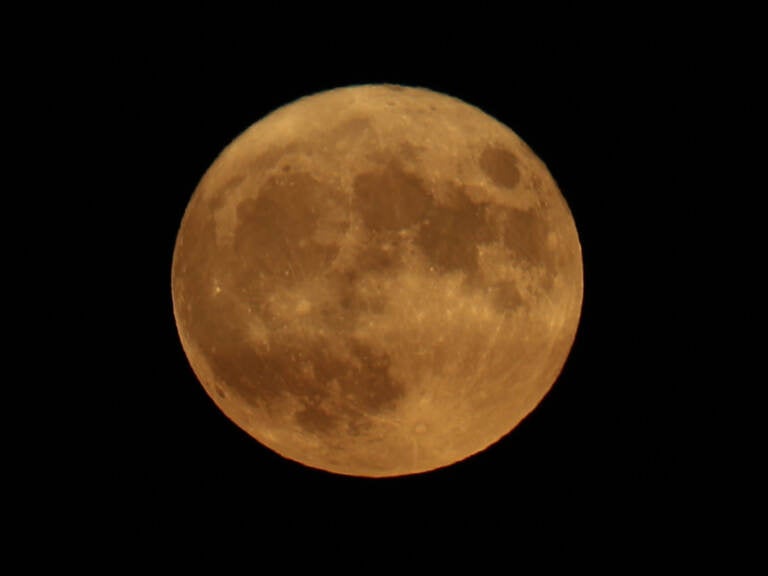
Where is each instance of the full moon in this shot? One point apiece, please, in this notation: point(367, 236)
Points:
point(377, 280)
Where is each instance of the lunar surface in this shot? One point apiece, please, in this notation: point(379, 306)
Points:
point(377, 280)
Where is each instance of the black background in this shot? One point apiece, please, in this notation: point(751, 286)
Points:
point(609, 450)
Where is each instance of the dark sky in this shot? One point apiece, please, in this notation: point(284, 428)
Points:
point(608, 443)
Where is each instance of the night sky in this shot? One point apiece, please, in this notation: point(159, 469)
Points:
point(607, 443)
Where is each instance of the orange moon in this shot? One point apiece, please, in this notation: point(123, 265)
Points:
point(377, 280)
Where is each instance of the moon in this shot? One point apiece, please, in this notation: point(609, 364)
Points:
point(377, 280)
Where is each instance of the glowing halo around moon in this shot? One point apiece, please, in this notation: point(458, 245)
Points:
point(377, 280)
